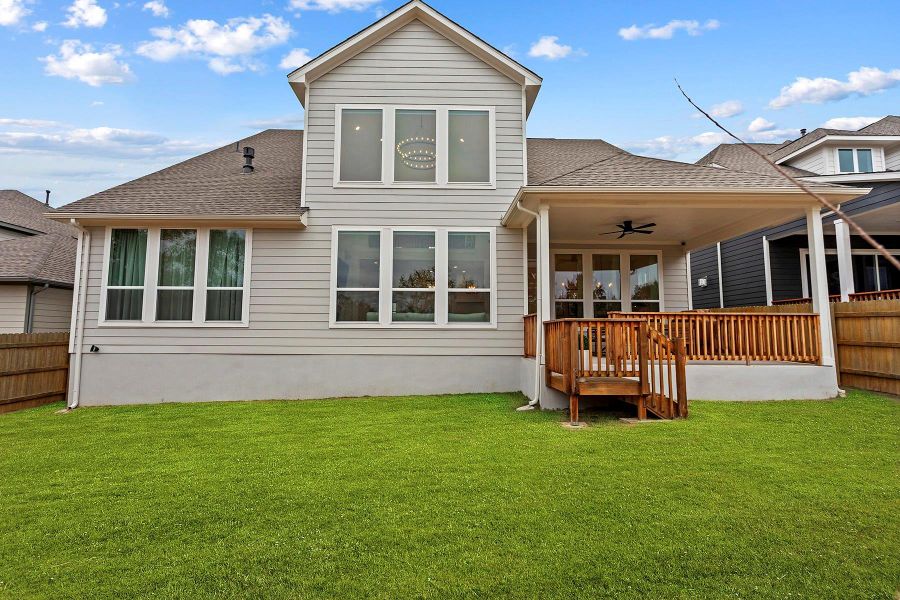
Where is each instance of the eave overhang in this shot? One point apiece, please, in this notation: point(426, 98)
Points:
point(298, 221)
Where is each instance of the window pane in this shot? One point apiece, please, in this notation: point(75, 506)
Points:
point(888, 274)
point(415, 154)
point(469, 146)
point(226, 258)
point(469, 258)
point(413, 306)
point(569, 310)
point(644, 277)
point(358, 259)
point(607, 277)
point(469, 307)
point(414, 260)
point(645, 307)
point(124, 305)
point(177, 251)
point(845, 160)
point(864, 160)
point(174, 305)
point(127, 256)
point(361, 136)
point(224, 305)
point(568, 278)
point(864, 273)
point(357, 306)
point(602, 309)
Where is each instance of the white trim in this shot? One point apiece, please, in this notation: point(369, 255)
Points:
point(767, 265)
point(73, 319)
point(525, 270)
point(587, 277)
point(855, 153)
point(719, 267)
point(150, 287)
point(386, 289)
point(863, 139)
point(442, 124)
point(303, 178)
point(855, 177)
point(689, 277)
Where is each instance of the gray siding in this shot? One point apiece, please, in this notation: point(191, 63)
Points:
point(704, 264)
point(289, 299)
point(13, 300)
point(51, 310)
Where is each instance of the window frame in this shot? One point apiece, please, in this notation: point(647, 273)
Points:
point(855, 153)
point(158, 287)
point(151, 274)
point(386, 273)
point(587, 276)
point(388, 120)
point(804, 260)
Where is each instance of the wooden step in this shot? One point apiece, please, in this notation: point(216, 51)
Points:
point(608, 386)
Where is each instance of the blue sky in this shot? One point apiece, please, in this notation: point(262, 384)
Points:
point(96, 92)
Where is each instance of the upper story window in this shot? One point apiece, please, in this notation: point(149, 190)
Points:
point(172, 277)
point(855, 160)
point(415, 146)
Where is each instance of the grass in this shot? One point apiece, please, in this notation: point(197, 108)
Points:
point(455, 496)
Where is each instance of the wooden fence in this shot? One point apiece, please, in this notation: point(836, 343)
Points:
point(34, 369)
point(867, 344)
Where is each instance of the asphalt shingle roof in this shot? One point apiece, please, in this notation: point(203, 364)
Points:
point(21, 210)
point(46, 258)
point(212, 183)
point(889, 125)
point(741, 158)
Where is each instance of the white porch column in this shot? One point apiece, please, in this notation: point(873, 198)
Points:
point(543, 263)
point(844, 256)
point(818, 278)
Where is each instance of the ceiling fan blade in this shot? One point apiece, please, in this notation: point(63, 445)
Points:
point(608, 232)
point(644, 231)
point(622, 235)
point(647, 226)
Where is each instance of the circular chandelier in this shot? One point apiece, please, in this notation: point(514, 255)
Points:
point(418, 152)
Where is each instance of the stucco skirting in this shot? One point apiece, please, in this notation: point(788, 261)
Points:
point(753, 382)
point(136, 378)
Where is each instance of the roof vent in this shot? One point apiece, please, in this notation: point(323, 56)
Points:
point(802, 132)
point(47, 199)
point(248, 160)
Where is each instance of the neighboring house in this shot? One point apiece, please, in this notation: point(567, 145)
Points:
point(772, 264)
point(388, 249)
point(37, 266)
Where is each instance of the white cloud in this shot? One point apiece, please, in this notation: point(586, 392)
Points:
point(285, 122)
point(849, 123)
point(40, 26)
point(158, 8)
point(673, 147)
point(332, 6)
point(77, 60)
point(549, 47)
point(85, 13)
point(295, 58)
point(226, 47)
point(864, 82)
point(760, 124)
point(729, 108)
point(12, 12)
point(665, 32)
point(29, 123)
point(97, 103)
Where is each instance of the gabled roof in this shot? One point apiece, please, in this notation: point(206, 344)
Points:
point(597, 164)
point(40, 259)
point(740, 158)
point(22, 212)
point(888, 126)
point(414, 10)
point(212, 184)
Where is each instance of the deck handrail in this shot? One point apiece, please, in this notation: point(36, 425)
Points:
point(855, 297)
point(748, 337)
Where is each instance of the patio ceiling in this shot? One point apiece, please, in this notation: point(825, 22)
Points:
point(695, 219)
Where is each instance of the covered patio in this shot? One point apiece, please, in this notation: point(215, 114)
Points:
point(590, 292)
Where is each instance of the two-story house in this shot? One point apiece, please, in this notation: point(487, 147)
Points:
point(772, 265)
point(404, 242)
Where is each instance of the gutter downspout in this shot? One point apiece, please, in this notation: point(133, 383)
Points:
point(78, 342)
point(539, 326)
point(29, 309)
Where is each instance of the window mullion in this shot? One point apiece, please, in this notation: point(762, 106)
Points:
point(388, 136)
point(441, 300)
point(200, 270)
point(442, 145)
point(151, 272)
point(386, 274)
point(625, 281)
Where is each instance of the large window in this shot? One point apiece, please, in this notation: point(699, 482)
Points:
point(413, 277)
point(871, 272)
point(855, 160)
point(415, 146)
point(176, 277)
point(361, 144)
point(594, 283)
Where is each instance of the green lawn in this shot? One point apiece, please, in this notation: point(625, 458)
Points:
point(456, 496)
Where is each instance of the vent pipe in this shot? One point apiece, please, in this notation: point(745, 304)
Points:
point(248, 160)
point(802, 132)
point(47, 199)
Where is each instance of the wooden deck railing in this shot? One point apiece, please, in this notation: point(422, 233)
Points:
point(749, 337)
point(665, 382)
point(530, 335)
point(858, 297)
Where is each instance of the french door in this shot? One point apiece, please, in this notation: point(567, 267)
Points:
point(594, 283)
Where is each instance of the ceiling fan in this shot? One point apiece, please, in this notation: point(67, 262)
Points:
point(626, 228)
